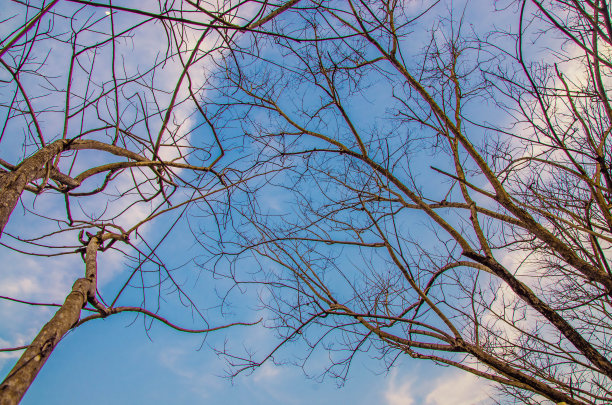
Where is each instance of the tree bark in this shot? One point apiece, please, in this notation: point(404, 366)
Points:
point(40, 165)
point(14, 182)
point(20, 378)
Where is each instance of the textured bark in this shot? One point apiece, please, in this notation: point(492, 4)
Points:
point(39, 165)
point(13, 183)
point(20, 378)
point(534, 384)
point(597, 359)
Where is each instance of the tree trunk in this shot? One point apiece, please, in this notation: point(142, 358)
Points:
point(20, 378)
point(14, 182)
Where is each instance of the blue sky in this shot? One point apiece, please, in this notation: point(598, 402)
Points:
point(117, 365)
point(116, 361)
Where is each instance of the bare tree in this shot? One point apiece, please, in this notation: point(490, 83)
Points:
point(103, 132)
point(446, 190)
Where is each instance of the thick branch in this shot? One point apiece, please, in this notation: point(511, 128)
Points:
point(20, 378)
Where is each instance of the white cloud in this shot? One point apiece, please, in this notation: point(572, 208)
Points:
point(398, 393)
point(451, 386)
point(266, 373)
point(6, 356)
point(31, 279)
point(460, 388)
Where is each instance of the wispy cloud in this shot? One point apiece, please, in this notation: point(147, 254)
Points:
point(267, 373)
point(399, 392)
point(448, 387)
point(459, 388)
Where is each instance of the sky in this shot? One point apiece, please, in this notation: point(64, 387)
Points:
point(117, 365)
point(121, 360)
